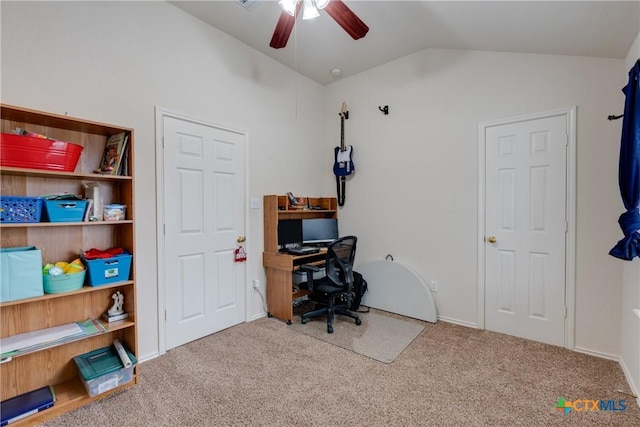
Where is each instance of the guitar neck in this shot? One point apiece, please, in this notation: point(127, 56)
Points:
point(341, 133)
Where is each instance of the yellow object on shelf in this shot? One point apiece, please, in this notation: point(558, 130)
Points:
point(74, 268)
point(63, 267)
point(62, 264)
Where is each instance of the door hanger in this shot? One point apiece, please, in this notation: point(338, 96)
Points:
point(240, 255)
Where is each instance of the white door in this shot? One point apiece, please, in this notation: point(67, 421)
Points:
point(204, 193)
point(525, 228)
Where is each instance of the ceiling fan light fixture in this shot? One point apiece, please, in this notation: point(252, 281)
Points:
point(310, 10)
point(288, 6)
point(336, 9)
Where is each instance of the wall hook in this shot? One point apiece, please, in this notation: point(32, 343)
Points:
point(385, 110)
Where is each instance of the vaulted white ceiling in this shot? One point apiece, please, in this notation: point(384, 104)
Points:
point(398, 28)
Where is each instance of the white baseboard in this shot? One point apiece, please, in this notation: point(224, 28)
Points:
point(634, 387)
point(256, 317)
point(458, 322)
point(596, 353)
point(148, 357)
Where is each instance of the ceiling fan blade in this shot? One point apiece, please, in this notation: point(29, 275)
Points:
point(347, 19)
point(283, 29)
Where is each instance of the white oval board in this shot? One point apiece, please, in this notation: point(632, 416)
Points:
point(397, 289)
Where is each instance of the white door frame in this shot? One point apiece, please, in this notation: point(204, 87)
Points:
point(160, 114)
point(570, 236)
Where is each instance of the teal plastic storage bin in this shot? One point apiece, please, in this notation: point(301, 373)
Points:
point(64, 210)
point(20, 273)
point(104, 271)
point(102, 370)
point(63, 282)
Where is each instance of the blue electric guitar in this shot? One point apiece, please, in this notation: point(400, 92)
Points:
point(343, 165)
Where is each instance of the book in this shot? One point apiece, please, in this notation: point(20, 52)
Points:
point(26, 404)
point(115, 318)
point(88, 213)
point(39, 337)
point(36, 340)
point(123, 169)
point(113, 153)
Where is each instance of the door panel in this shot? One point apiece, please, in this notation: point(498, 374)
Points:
point(204, 215)
point(525, 211)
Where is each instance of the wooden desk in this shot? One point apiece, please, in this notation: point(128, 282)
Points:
point(279, 267)
point(280, 293)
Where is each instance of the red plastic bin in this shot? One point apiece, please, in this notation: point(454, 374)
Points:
point(37, 153)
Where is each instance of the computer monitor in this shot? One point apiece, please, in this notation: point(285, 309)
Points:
point(319, 230)
point(289, 231)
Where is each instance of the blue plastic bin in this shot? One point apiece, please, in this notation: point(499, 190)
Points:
point(20, 209)
point(104, 271)
point(65, 210)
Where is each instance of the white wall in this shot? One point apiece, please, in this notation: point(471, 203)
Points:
point(630, 322)
point(114, 62)
point(414, 193)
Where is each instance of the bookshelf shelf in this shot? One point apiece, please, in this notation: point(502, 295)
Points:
point(82, 290)
point(67, 224)
point(110, 327)
point(62, 175)
point(69, 395)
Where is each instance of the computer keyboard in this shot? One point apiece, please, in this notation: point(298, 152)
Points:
point(303, 250)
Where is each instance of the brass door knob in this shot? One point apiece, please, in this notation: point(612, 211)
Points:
point(241, 239)
point(492, 239)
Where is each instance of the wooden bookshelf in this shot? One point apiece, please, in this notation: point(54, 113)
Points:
point(54, 366)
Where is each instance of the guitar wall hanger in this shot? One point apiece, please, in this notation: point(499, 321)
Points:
point(385, 109)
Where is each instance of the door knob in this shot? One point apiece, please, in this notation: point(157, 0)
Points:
point(492, 239)
point(241, 239)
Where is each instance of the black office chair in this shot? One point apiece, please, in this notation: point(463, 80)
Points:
point(334, 291)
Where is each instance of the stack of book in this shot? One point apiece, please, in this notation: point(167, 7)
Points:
point(29, 342)
point(114, 318)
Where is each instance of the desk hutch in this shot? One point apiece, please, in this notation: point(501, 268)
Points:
point(280, 266)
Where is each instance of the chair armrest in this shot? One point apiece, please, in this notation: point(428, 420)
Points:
point(309, 269)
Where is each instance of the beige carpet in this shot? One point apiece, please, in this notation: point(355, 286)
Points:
point(380, 337)
point(264, 373)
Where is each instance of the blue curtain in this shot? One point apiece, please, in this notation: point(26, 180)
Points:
point(629, 172)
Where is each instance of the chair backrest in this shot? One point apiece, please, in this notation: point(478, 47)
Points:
point(339, 262)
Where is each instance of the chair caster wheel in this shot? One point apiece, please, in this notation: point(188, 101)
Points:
point(330, 329)
point(303, 321)
point(358, 322)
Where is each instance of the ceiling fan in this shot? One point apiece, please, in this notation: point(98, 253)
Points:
point(339, 11)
